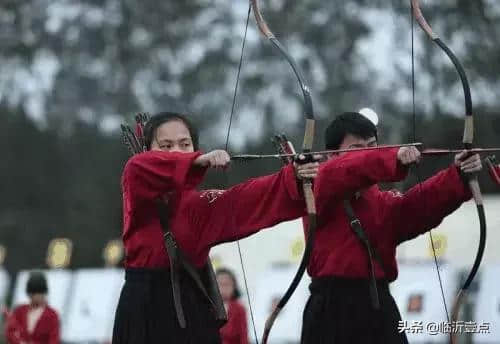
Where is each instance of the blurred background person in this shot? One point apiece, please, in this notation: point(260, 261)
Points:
point(36, 322)
point(235, 331)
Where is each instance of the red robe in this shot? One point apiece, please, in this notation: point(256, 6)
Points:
point(388, 218)
point(198, 220)
point(235, 331)
point(46, 330)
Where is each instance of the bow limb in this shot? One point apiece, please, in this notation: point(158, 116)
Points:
point(307, 184)
point(467, 143)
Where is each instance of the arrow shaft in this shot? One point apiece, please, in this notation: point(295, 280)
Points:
point(451, 151)
point(428, 152)
point(279, 156)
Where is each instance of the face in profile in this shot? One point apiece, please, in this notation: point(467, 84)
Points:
point(226, 286)
point(173, 136)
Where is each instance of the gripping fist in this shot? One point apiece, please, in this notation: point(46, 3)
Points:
point(408, 155)
point(214, 159)
point(308, 170)
point(468, 164)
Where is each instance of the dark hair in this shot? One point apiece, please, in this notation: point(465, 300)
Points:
point(37, 284)
point(352, 123)
point(163, 117)
point(236, 291)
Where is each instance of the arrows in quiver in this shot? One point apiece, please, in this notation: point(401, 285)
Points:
point(134, 140)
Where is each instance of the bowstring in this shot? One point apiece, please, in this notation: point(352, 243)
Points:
point(417, 170)
point(233, 106)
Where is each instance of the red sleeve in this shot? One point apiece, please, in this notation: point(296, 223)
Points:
point(425, 205)
point(151, 174)
point(343, 176)
point(243, 330)
point(13, 328)
point(244, 209)
point(54, 333)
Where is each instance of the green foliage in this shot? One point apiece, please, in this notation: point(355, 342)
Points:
point(55, 186)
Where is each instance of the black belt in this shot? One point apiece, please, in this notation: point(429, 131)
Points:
point(327, 283)
point(146, 274)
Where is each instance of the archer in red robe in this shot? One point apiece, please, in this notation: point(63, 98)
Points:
point(389, 217)
point(197, 220)
point(350, 300)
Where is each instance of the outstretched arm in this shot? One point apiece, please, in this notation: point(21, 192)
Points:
point(343, 176)
point(425, 205)
point(248, 207)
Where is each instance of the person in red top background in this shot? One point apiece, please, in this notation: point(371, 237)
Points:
point(354, 255)
point(36, 322)
point(164, 304)
point(235, 331)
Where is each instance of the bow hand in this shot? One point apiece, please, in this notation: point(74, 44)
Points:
point(305, 170)
point(468, 164)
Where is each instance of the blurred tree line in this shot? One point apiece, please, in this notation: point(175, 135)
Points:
point(72, 70)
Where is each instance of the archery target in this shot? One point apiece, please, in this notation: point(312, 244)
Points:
point(418, 296)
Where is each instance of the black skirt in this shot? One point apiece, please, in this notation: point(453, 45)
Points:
point(146, 313)
point(340, 311)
